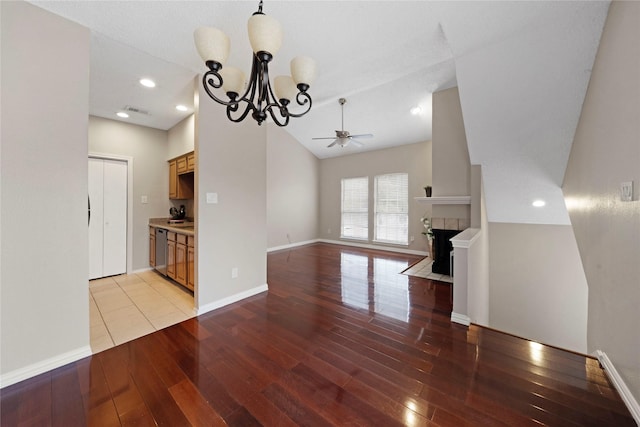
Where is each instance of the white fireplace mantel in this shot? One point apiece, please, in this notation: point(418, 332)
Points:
point(444, 200)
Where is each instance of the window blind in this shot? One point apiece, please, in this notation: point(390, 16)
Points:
point(355, 208)
point(391, 208)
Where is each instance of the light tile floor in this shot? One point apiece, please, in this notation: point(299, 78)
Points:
point(423, 269)
point(126, 307)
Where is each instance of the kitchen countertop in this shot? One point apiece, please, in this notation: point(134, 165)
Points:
point(186, 227)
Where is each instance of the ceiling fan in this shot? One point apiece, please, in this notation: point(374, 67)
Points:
point(343, 137)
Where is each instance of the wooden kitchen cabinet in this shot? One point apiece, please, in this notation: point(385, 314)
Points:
point(152, 246)
point(181, 259)
point(191, 256)
point(173, 179)
point(181, 177)
point(191, 162)
point(171, 254)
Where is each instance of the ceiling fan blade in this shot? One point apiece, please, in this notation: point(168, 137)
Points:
point(333, 143)
point(327, 137)
point(363, 135)
point(356, 142)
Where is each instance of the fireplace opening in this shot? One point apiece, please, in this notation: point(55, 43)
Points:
point(442, 248)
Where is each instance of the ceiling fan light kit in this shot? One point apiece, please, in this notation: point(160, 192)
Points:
point(343, 137)
point(265, 36)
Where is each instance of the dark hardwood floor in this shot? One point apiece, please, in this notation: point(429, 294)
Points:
point(341, 338)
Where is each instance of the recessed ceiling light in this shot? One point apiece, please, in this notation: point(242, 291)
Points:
point(181, 108)
point(539, 203)
point(122, 114)
point(147, 83)
point(416, 110)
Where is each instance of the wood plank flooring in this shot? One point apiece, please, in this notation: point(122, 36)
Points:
point(341, 338)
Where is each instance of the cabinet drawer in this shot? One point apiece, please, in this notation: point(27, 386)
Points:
point(181, 238)
point(171, 235)
point(181, 164)
point(191, 241)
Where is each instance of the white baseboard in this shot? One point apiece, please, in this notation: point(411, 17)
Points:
point(231, 299)
point(46, 365)
point(291, 245)
point(619, 384)
point(460, 318)
point(371, 246)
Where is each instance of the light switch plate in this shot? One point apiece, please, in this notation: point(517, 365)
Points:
point(212, 197)
point(626, 191)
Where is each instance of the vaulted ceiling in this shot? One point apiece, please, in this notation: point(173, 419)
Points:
point(522, 69)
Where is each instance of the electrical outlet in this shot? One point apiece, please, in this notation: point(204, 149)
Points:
point(411, 239)
point(144, 199)
point(328, 231)
point(234, 273)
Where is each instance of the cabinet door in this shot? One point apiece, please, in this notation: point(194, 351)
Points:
point(191, 255)
point(181, 264)
point(173, 180)
point(191, 162)
point(171, 259)
point(181, 164)
point(152, 246)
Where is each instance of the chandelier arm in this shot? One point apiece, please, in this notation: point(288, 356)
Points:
point(275, 118)
point(214, 79)
point(306, 98)
point(233, 108)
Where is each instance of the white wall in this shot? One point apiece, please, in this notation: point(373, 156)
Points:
point(414, 159)
point(606, 152)
point(293, 190)
point(231, 162)
point(537, 286)
point(44, 247)
point(148, 148)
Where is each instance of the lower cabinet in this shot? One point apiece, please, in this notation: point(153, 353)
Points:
point(152, 246)
point(180, 259)
point(191, 256)
point(171, 254)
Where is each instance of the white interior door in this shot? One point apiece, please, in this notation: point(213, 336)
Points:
point(108, 223)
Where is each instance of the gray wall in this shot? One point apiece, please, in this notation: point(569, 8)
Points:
point(43, 188)
point(451, 167)
point(414, 159)
point(232, 233)
point(537, 287)
point(148, 148)
point(606, 152)
point(293, 187)
point(181, 138)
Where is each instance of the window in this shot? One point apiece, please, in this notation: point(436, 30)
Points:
point(391, 208)
point(355, 208)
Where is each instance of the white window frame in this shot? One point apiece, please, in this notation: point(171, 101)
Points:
point(391, 210)
point(354, 207)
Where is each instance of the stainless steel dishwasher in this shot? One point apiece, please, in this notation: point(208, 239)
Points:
point(161, 251)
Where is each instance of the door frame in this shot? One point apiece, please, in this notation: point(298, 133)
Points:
point(129, 161)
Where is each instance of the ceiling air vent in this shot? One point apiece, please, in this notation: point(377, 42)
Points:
point(135, 110)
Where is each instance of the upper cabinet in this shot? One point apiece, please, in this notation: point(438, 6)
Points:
point(181, 174)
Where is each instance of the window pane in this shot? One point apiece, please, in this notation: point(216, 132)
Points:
point(392, 208)
point(355, 208)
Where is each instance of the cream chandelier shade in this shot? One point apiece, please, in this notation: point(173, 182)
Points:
point(257, 98)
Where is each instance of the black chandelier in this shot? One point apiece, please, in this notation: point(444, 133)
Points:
point(265, 35)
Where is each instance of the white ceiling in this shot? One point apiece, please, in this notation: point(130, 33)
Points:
point(522, 69)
